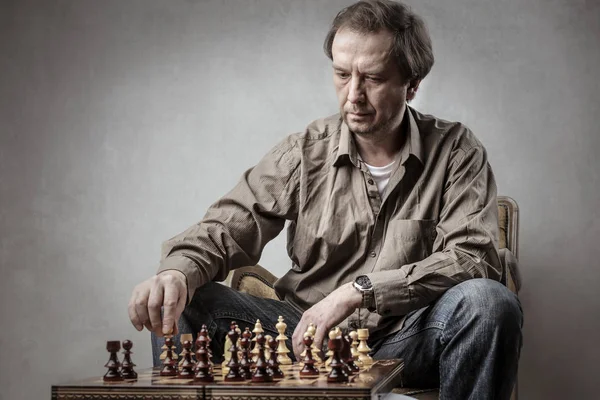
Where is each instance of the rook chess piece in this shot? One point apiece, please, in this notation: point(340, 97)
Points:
point(113, 374)
point(363, 348)
point(127, 365)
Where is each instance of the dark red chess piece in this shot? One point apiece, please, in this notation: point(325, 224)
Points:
point(273, 363)
point(346, 355)
point(186, 369)
point(169, 363)
point(127, 365)
point(245, 360)
point(309, 368)
point(113, 374)
point(338, 369)
point(203, 368)
point(204, 332)
point(234, 374)
point(261, 373)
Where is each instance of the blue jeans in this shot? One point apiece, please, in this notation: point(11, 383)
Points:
point(468, 342)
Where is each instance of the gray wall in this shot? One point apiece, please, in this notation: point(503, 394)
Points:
point(121, 121)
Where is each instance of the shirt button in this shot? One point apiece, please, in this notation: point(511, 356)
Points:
point(370, 181)
point(373, 254)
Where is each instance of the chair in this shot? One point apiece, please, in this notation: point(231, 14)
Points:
point(258, 281)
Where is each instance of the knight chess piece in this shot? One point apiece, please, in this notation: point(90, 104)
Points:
point(113, 374)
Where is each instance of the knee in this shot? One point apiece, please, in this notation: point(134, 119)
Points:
point(490, 301)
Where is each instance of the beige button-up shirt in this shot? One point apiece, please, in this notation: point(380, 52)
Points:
point(434, 226)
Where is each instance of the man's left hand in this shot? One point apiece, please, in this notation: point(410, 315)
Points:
point(326, 314)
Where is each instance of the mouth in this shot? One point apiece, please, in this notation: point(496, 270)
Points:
point(358, 115)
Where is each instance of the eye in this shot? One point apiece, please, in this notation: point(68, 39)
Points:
point(343, 75)
point(375, 79)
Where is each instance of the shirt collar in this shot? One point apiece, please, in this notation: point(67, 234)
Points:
point(346, 150)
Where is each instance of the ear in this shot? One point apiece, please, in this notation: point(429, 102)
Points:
point(411, 91)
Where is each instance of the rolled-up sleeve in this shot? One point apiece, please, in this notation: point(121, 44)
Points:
point(466, 239)
point(236, 228)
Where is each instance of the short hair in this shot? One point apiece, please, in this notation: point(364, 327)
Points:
point(412, 43)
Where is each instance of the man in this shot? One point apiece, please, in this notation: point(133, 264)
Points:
point(391, 213)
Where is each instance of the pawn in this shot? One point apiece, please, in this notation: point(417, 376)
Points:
point(261, 373)
point(312, 329)
point(338, 370)
point(169, 363)
point(182, 338)
point(186, 367)
point(127, 365)
point(113, 374)
point(273, 363)
point(353, 347)
point(203, 368)
point(245, 361)
point(309, 368)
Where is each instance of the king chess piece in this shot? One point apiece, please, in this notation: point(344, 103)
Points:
point(282, 350)
point(127, 365)
point(113, 374)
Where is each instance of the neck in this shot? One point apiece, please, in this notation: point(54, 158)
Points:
point(380, 149)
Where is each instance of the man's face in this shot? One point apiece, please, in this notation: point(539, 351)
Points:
point(370, 89)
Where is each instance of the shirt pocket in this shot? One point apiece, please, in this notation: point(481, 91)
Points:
point(411, 239)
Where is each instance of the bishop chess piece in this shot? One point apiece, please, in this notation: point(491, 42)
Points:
point(169, 363)
point(338, 369)
point(203, 368)
point(261, 373)
point(186, 366)
point(273, 363)
point(245, 361)
point(363, 348)
point(282, 350)
point(309, 368)
point(257, 329)
point(233, 375)
point(113, 374)
point(127, 365)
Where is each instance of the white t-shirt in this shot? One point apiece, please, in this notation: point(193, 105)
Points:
point(381, 175)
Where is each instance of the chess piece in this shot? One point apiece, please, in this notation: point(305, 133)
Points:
point(226, 355)
point(233, 375)
point(316, 353)
point(186, 367)
point(282, 350)
point(127, 365)
point(353, 347)
point(182, 339)
point(329, 353)
point(347, 357)
point(338, 370)
point(267, 348)
point(273, 363)
point(257, 329)
point(245, 361)
point(113, 374)
point(169, 363)
point(204, 332)
point(363, 348)
point(203, 368)
point(261, 373)
point(309, 368)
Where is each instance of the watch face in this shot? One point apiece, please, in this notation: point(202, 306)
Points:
point(364, 282)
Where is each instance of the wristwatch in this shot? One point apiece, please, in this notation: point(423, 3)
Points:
point(363, 284)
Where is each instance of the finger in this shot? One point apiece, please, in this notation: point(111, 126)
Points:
point(133, 316)
point(171, 306)
point(141, 307)
point(155, 302)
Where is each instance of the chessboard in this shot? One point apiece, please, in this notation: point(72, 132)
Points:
point(370, 383)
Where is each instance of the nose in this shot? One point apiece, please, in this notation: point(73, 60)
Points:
point(356, 93)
